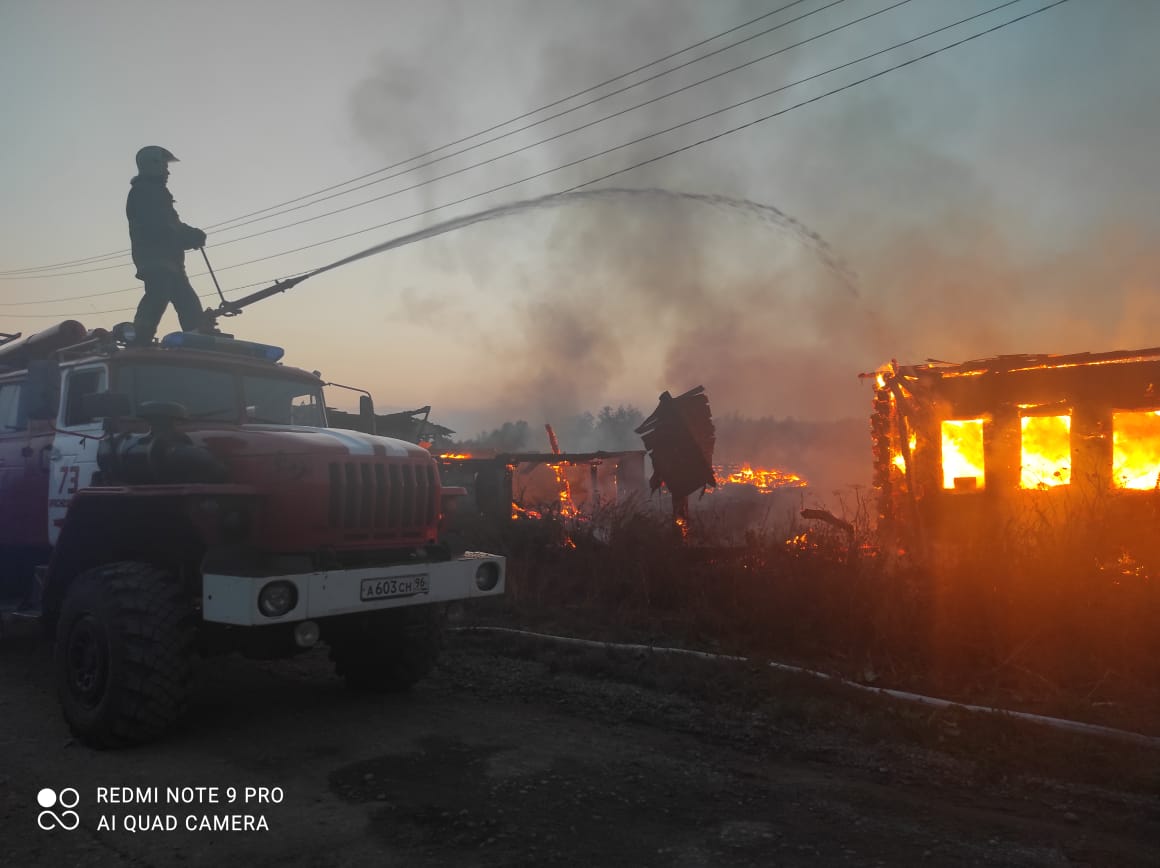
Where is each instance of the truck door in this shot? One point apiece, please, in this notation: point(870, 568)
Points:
point(73, 459)
point(11, 464)
point(24, 458)
point(34, 486)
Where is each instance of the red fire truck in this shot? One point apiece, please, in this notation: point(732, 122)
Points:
point(188, 498)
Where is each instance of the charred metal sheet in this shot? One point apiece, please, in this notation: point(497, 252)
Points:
point(679, 437)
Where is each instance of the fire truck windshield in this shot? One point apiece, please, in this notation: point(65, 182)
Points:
point(225, 396)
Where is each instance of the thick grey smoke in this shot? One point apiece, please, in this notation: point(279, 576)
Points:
point(983, 214)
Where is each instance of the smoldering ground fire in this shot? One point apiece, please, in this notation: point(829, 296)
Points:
point(580, 489)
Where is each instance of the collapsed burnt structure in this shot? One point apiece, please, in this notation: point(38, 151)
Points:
point(678, 437)
point(513, 485)
point(413, 426)
point(962, 449)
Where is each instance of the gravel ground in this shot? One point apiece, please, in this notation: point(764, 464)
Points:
point(517, 752)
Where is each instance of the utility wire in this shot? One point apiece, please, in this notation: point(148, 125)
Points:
point(543, 120)
point(700, 142)
point(427, 181)
point(459, 141)
point(836, 90)
point(550, 117)
point(532, 177)
point(627, 144)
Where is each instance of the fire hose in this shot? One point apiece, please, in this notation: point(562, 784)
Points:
point(209, 268)
point(1073, 726)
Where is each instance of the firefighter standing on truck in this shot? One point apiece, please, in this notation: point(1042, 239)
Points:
point(159, 240)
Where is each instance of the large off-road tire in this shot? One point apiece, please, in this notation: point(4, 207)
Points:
point(387, 651)
point(124, 653)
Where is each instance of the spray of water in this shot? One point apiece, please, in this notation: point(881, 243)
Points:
point(768, 214)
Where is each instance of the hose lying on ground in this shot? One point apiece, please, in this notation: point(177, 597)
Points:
point(933, 701)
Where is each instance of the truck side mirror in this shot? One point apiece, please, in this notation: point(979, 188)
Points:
point(106, 405)
point(366, 412)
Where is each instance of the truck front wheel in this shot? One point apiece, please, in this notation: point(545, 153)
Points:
point(124, 653)
point(386, 651)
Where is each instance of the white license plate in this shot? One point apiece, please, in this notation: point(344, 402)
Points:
point(396, 586)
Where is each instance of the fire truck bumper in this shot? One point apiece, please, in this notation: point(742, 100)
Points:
point(252, 601)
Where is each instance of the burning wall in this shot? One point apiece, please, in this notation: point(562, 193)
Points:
point(527, 484)
point(959, 445)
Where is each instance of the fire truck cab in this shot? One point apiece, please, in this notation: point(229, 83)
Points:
point(187, 498)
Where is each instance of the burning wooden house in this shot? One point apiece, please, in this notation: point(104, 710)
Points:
point(961, 448)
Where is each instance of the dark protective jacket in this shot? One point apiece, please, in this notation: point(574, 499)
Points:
point(158, 236)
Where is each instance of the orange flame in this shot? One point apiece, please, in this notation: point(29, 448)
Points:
point(1046, 449)
point(962, 454)
point(764, 480)
point(899, 460)
point(519, 512)
point(567, 506)
point(1136, 450)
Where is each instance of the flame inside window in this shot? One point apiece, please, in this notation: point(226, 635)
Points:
point(1046, 451)
point(962, 454)
point(1136, 450)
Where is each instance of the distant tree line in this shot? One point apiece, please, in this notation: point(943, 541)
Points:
point(611, 429)
point(828, 454)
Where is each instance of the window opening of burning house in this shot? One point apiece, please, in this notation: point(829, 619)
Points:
point(219, 396)
point(1045, 451)
point(962, 454)
point(1136, 450)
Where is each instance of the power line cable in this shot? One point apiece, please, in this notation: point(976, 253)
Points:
point(685, 147)
point(495, 158)
point(837, 90)
point(395, 242)
point(623, 145)
point(600, 153)
point(459, 141)
point(544, 120)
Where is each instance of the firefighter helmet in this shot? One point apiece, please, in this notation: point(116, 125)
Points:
point(154, 160)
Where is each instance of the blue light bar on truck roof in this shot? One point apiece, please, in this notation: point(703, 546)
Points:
point(218, 344)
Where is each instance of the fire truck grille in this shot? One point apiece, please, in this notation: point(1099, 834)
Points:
point(381, 499)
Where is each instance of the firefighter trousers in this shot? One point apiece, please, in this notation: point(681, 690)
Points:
point(161, 289)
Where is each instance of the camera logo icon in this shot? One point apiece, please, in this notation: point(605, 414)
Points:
point(66, 800)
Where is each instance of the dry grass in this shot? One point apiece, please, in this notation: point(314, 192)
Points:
point(1054, 619)
point(798, 716)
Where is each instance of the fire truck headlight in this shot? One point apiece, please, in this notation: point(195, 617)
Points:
point(277, 598)
point(487, 575)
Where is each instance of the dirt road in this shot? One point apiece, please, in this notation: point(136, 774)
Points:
point(521, 754)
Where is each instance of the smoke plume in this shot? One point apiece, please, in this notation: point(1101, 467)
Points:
point(979, 220)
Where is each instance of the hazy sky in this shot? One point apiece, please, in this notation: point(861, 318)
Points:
point(1001, 197)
